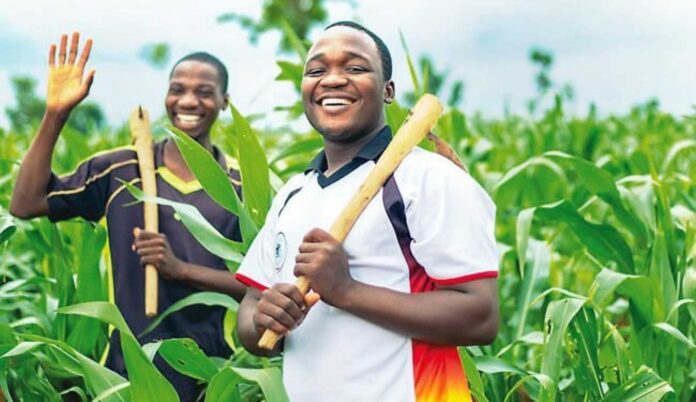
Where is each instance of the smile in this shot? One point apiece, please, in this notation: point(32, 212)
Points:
point(188, 118)
point(336, 102)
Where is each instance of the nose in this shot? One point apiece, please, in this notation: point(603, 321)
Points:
point(334, 78)
point(188, 100)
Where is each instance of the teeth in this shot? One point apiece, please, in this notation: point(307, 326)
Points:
point(188, 118)
point(335, 102)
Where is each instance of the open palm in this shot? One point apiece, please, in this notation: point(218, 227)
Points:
point(67, 83)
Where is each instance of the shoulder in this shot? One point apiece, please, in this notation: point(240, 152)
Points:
point(421, 164)
point(115, 155)
point(107, 160)
point(427, 174)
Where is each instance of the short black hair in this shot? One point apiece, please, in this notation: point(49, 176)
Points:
point(382, 49)
point(207, 58)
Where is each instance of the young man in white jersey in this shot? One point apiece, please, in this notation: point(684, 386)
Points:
point(414, 279)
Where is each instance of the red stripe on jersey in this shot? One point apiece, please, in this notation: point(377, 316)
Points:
point(249, 282)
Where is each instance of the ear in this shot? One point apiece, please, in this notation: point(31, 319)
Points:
point(225, 102)
point(389, 92)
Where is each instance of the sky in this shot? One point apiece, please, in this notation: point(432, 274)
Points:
point(615, 54)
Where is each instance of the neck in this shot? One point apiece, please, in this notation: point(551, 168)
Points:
point(340, 153)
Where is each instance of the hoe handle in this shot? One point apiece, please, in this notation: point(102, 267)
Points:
point(142, 138)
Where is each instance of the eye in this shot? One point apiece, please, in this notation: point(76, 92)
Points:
point(204, 93)
point(175, 90)
point(356, 69)
point(314, 72)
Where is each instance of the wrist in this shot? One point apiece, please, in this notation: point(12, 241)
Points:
point(345, 296)
point(183, 271)
point(59, 115)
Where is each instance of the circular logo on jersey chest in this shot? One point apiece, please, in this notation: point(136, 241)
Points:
point(279, 250)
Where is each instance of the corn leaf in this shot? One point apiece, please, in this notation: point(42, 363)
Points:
point(198, 226)
point(186, 357)
point(558, 316)
point(602, 241)
point(214, 180)
point(255, 172)
point(645, 386)
point(204, 298)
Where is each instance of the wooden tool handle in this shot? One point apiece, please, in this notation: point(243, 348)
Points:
point(423, 118)
point(142, 138)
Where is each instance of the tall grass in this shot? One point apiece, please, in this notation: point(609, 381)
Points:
point(596, 227)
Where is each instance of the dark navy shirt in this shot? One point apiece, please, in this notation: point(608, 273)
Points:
point(94, 190)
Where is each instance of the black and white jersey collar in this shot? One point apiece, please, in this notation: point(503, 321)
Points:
point(370, 152)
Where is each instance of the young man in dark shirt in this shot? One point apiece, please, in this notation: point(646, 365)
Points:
point(197, 92)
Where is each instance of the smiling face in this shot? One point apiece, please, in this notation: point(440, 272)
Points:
point(343, 90)
point(194, 98)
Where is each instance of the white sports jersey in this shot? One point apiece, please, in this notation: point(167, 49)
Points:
point(430, 224)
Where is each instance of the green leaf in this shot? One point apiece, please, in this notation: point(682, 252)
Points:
point(205, 298)
point(600, 183)
point(677, 150)
point(213, 178)
point(674, 333)
point(270, 380)
point(495, 365)
point(606, 283)
point(294, 40)
point(644, 386)
point(198, 226)
point(411, 68)
point(472, 375)
point(111, 391)
point(396, 115)
point(558, 316)
point(254, 170)
point(98, 379)
point(103, 311)
point(147, 384)
point(88, 335)
point(602, 241)
point(534, 273)
point(186, 357)
point(20, 349)
point(223, 387)
point(7, 226)
point(584, 332)
point(293, 72)
point(307, 146)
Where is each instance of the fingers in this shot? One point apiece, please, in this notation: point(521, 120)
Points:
point(145, 251)
point(280, 308)
point(140, 234)
point(52, 56)
point(61, 51)
point(88, 80)
point(85, 53)
point(150, 243)
point(74, 42)
point(154, 259)
point(308, 248)
point(317, 235)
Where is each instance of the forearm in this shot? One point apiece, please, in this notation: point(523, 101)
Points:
point(212, 279)
point(443, 316)
point(247, 331)
point(29, 195)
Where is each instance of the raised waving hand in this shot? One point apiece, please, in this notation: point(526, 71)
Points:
point(68, 85)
